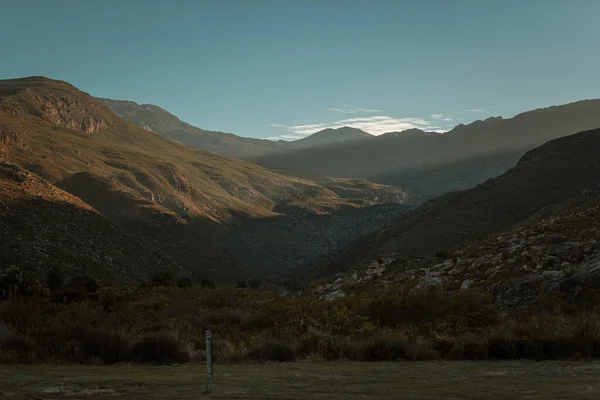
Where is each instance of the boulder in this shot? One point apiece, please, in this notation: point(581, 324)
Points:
point(333, 295)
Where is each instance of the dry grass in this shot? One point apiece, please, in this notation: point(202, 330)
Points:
point(308, 380)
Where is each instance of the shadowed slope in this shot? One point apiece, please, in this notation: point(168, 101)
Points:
point(42, 226)
point(551, 174)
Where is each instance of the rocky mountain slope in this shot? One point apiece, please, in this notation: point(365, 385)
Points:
point(552, 174)
point(554, 252)
point(193, 205)
point(42, 226)
point(429, 165)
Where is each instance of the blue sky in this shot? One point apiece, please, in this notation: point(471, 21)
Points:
point(286, 68)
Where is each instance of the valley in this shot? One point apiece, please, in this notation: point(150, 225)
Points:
point(219, 218)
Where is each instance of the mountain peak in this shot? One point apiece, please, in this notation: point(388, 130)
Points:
point(332, 135)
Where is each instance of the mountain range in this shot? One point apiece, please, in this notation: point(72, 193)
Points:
point(218, 217)
point(126, 191)
point(424, 164)
point(158, 120)
point(549, 175)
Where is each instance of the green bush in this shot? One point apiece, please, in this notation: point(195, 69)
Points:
point(159, 348)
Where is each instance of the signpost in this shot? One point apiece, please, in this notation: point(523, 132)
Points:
point(209, 361)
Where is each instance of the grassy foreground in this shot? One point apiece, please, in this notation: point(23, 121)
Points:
point(332, 380)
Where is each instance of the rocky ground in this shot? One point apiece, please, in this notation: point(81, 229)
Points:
point(555, 250)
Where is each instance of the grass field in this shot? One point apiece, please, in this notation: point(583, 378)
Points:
point(308, 380)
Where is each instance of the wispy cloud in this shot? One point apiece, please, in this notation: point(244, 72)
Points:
point(376, 125)
point(286, 137)
point(355, 110)
point(440, 117)
point(474, 110)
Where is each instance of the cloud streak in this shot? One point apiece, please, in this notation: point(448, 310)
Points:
point(440, 117)
point(353, 110)
point(376, 125)
point(474, 110)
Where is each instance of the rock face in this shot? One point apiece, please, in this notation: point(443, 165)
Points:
point(63, 110)
point(7, 138)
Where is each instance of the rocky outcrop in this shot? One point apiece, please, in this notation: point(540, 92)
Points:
point(65, 112)
point(7, 138)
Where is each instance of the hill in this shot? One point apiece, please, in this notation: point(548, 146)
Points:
point(328, 137)
point(429, 165)
point(42, 226)
point(549, 175)
point(191, 204)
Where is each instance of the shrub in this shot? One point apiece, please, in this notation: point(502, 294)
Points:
point(14, 347)
point(242, 285)
point(382, 349)
point(256, 284)
point(68, 296)
point(469, 348)
point(54, 278)
point(225, 351)
point(83, 282)
point(227, 317)
point(13, 284)
point(441, 254)
point(104, 345)
point(164, 278)
point(207, 283)
point(326, 346)
point(273, 350)
point(159, 348)
point(184, 282)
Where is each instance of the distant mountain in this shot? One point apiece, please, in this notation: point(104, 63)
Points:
point(549, 175)
point(328, 137)
point(409, 133)
point(427, 165)
point(161, 122)
point(117, 186)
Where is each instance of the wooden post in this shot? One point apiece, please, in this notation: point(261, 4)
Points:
point(209, 361)
point(588, 341)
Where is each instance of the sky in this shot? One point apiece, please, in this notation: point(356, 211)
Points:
point(283, 69)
